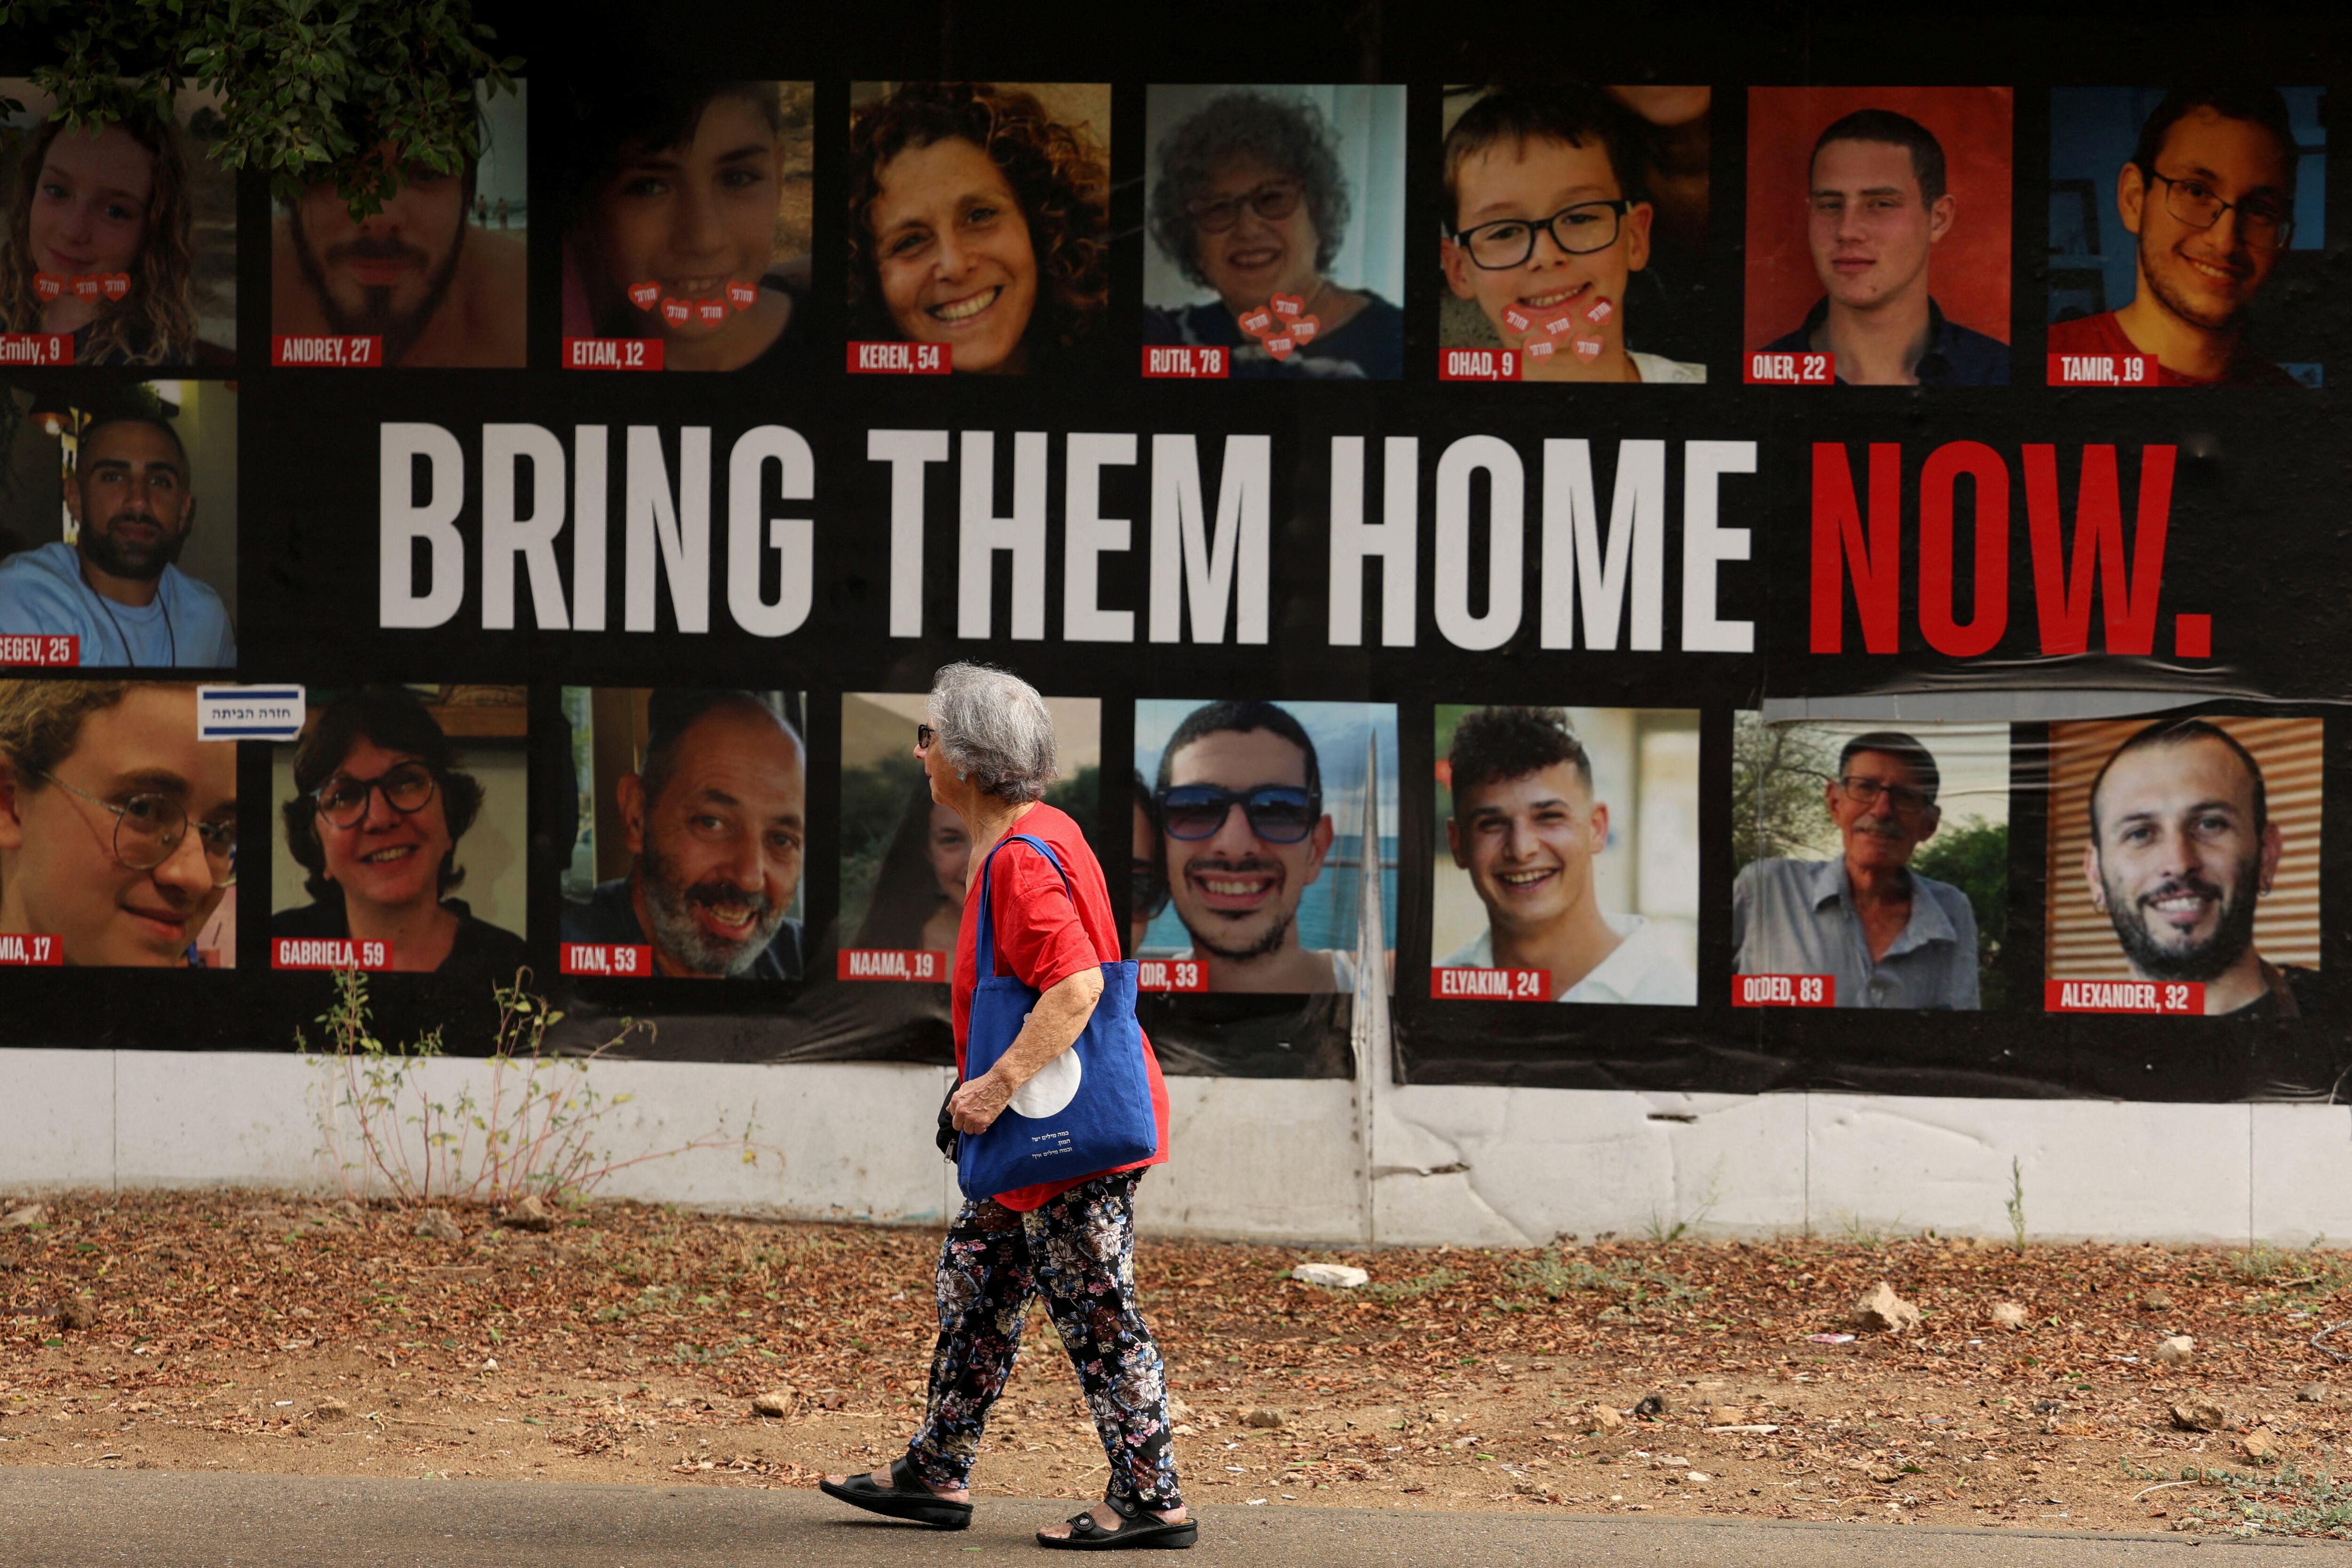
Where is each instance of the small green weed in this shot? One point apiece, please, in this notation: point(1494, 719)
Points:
point(2292, 1502)
point(1554, 1274)
point(1407, 1289)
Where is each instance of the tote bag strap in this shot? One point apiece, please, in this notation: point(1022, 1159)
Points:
point(984, 938)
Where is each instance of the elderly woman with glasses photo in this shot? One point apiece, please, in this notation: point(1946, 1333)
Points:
point(1248, 200)
point(118, 826)
point(989, 753)
point(378, 808)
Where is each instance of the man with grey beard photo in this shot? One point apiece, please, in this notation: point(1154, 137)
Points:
point(716, 818)
point(2182, 849)
point(435, 289)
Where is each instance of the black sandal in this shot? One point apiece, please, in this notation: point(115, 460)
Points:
point(905, 1498)
point(1136, 1528)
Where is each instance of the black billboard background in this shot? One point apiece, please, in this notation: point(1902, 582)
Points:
point(2256, 535)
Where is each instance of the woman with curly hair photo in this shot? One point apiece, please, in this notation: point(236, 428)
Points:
point(112, 209)
point(1249, 199)
point(977, 220)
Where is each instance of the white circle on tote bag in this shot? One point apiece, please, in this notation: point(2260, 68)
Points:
point(1051, 1091)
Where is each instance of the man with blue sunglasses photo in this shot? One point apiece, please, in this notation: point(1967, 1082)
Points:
point(1240, 803)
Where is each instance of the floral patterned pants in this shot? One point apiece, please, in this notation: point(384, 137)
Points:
point(1079, 1250)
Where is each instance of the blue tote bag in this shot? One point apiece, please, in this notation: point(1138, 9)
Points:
point(1089, 1109)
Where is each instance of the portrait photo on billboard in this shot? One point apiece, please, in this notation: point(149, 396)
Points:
point(1878, 236)
point(689, 853)
point(439, 276)
point(904, 855)
point(1276, 225)
point(118, 829)
point(685, 209)
point(120, 239)
point(118, 524)
point(1567, 855)
point(2184, 874)
point(1258, 814)
point(2187, 227)
point(978, 225)
point(1871, 860)
point(1575, 229)
point(402, 817)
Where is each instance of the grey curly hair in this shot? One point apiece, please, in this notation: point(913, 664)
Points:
point(1288, 134)
point(993, 728)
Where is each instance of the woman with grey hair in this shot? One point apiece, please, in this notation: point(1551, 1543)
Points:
point(988, 752)
point(1248, 201)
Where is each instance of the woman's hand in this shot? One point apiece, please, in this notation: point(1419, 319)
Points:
point(976, 1105)
point(1053, 1025)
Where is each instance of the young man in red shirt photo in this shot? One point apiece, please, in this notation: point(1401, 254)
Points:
point(2209, 193)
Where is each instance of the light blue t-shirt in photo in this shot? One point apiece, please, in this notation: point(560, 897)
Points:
point(42, 594)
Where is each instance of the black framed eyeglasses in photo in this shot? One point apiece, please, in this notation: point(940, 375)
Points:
point(1579, 229)
point(343, 799)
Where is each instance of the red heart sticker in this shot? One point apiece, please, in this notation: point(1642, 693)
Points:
point(1539, 348)
point(1280, 347)
point(742, 296)
point(1559, 324)
point(85, 287)
point(1599, 311)
point(1287, 306)
point(1305, 327)
point(1587, 348)
point(678, 312)
point(1516, 318)
point(645, 296)
point(116, 285)
point(712, 311)
point(1258, 322)
point(48, 286)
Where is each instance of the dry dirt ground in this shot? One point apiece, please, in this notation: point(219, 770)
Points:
point(244, 1332)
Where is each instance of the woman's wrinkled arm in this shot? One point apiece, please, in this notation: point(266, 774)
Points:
point(1054, 1027)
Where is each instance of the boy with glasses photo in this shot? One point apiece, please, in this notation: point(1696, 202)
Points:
point(1546, 223)
point(118, 826)
point(2208, 198)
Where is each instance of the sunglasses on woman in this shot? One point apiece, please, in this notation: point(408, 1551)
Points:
point(1278, 814)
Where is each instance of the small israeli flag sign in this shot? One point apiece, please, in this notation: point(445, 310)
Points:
point(250, 712)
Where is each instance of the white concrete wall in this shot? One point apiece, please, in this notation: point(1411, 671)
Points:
point(1330, 1163)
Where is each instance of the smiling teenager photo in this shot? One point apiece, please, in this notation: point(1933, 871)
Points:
point(2207, 206)
point(1285, 205)
point(688, 219)
point(978, 220)
point(118, 826)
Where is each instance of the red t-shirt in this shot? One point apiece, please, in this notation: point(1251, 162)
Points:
point(2105, 335)
point(1044, 936)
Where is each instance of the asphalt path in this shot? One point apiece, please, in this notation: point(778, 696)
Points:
point(58, 1517)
